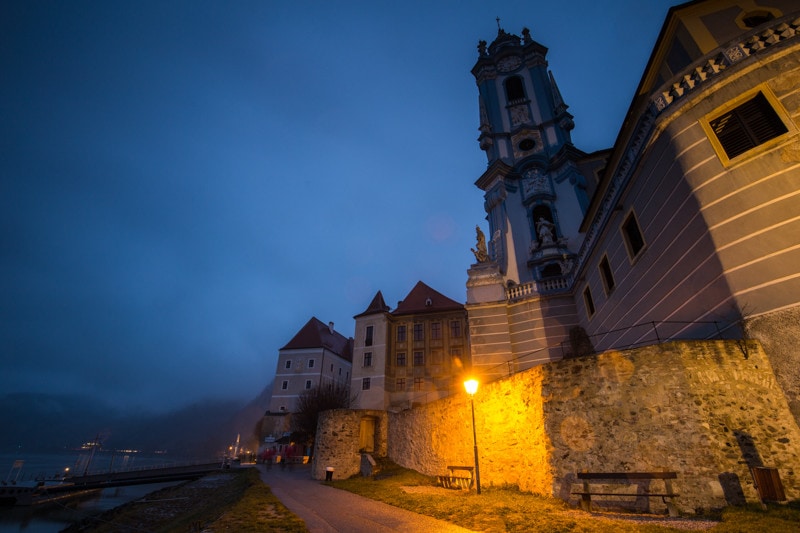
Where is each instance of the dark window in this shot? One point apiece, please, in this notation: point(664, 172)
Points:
point(757, 18)
point(419, 359)
point(365, 384)
point(419, 332)
point(284, 385)
point(401, 334)
point(310, 363)
point(436, 330)
point(514, 89)
point(748, 125)
point(288, 363)
point(308, 384)
point(455, 329)
point(401, 359)
point(587, 298)
point(633, 236)
point(455, 352)
point(400, 385)
point(606, 274)
point(368, 338)
point(552, 270)
point(418, 382)
point(367, 358)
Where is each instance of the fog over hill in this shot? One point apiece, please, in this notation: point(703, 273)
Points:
point(49, 423)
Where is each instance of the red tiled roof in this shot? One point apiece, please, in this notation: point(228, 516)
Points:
point(423, 299)
point(315, 334)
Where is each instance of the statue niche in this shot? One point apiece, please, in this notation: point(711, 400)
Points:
point(545, 228)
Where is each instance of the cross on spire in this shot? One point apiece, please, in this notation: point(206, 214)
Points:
point(498, 23)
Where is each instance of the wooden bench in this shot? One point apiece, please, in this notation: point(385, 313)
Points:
point(452, 481)
point(626, 477)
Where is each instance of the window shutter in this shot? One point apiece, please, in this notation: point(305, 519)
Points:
point(745, 127)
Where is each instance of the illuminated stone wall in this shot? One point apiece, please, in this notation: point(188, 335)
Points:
point(705, 409)
point(511, 435)
point(699, 408)
point(339, 441)
point(779, 333)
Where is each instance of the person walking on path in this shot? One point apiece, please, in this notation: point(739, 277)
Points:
point(328, 510)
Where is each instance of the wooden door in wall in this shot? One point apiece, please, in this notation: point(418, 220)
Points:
point(366, 437)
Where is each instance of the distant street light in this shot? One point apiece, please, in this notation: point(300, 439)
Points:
point(471, 385)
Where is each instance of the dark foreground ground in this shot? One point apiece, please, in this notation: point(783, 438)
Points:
point(241, 500)
point(191, 506)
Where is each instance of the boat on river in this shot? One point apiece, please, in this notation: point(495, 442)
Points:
point(16, 492)
point(25, 493)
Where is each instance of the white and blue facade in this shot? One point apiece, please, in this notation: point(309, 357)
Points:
point(688, 227)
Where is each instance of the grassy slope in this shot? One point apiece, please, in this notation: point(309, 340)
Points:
point(504, 509)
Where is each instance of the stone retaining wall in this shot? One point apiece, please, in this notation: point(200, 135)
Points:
point(338, 443)
point(701, 409)
point(779, 333)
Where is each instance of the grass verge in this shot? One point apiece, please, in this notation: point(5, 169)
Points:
point(503, 509)
point(258, 510)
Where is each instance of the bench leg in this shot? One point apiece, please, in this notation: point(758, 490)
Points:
point(673, 511)
point(586, 499)
point(586, 503)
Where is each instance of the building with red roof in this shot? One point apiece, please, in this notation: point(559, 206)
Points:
point(412, 355)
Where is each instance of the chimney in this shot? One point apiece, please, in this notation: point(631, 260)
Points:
point(330, 327)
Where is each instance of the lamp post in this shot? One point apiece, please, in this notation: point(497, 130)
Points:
point(471, 385)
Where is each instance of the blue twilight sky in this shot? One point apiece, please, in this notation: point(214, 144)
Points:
point(183, 184)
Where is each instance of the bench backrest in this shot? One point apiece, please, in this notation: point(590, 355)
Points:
point(627, 475)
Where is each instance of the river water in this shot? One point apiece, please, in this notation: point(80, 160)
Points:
point(57, 516)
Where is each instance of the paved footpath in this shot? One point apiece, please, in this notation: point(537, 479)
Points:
point(328, 510)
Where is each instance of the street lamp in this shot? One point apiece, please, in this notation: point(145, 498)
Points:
point(471, 385)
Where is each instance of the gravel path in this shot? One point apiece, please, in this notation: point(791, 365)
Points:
point(328, 510)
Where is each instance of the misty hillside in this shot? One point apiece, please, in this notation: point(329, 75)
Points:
point(50, 423)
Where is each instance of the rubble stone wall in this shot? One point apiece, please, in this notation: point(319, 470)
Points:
point(705, 409)
point(779, 333)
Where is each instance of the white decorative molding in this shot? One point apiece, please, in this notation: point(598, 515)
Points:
point(534, 182)
point(520, 115)
point(509, 63)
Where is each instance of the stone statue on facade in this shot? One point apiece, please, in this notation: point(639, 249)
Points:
point(481, 255)
point(544, 229)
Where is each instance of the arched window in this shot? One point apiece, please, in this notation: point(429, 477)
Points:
point(551, 270)
point(514, 89)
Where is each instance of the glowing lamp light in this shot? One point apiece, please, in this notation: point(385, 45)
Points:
point(471, 385)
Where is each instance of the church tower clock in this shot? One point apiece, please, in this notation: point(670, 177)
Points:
point(535, 196)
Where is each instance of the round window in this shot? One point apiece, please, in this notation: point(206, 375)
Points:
point(526, 144)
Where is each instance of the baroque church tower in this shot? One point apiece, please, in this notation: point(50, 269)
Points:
point(536, 193)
